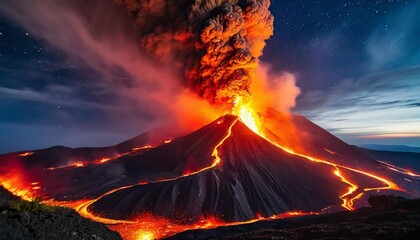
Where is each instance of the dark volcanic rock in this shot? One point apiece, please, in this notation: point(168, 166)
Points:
point(391, 202)
point(396, 218)
point(30, 220)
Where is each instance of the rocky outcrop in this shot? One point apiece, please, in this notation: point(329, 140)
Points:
point(20, 219)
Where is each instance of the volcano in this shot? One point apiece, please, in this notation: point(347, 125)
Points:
point(248, 176)
point(223, 173)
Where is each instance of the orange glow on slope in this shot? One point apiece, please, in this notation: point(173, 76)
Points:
point(104, 160)
point(15, 182)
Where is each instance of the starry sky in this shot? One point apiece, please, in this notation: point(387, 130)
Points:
point(357, 64)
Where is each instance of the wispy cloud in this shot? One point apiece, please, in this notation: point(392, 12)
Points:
point(97, 41)
point(380, 104)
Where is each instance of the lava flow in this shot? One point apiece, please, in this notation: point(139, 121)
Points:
point(251, 120)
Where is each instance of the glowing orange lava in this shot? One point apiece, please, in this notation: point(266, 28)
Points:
point(15, 182)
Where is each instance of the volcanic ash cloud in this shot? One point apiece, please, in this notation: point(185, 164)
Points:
point(215, 44)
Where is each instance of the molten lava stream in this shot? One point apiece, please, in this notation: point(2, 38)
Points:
point(250, 118)
point(103, 160)
point(348, 197)
point(399, 169)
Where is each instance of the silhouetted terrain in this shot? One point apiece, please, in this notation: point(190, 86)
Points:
point(391, 148)
point(409, 160)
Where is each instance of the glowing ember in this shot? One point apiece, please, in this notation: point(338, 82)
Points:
point(329, 151)
point(79, 164)
point(141, 235)
point(104, 160)
point(26, 154)
point(142, 148)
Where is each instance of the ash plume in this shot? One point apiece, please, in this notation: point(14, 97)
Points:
point(215, 43)
point(178, 55)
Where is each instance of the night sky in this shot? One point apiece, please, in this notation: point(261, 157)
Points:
point(357, 64)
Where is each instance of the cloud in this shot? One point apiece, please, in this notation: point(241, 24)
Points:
point(383, 103)
point(101, 45)
point(53, 94)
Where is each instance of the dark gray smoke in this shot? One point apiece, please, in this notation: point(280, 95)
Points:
point(216, 42)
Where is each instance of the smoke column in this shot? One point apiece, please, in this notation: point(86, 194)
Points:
point(215, 43)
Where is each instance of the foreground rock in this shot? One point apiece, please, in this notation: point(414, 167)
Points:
point(389, 217)
point(21, 219)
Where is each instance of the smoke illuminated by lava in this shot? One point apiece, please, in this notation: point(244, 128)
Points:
point(217, 43)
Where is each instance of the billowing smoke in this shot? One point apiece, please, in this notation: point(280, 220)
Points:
point(216, 43)
point(137, 73)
